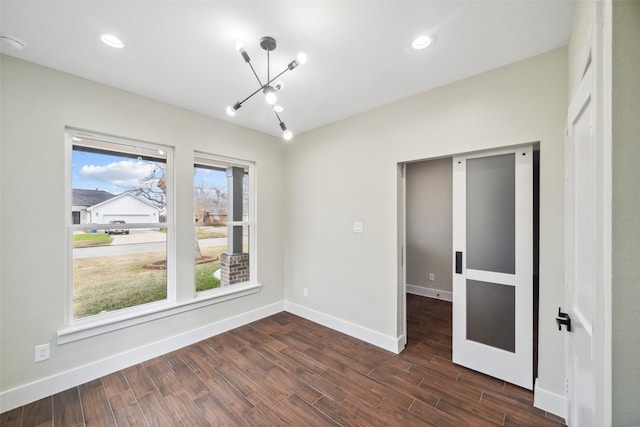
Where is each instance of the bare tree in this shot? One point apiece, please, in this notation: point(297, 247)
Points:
point(153, 188)
point(209, 200)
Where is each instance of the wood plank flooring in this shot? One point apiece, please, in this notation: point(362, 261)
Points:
point(285, 370)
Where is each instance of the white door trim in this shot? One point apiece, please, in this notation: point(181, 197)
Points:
point(599, 55)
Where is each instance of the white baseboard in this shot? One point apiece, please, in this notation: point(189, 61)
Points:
point(428, 292)
point(37, 390)
point(393, 344)
point(549, 401)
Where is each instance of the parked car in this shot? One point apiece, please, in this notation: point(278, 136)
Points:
point(117, 230)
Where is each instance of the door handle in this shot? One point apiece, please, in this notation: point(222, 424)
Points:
point(563, 319)
point(458, 262)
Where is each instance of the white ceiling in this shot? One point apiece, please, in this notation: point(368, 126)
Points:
point(182, 52)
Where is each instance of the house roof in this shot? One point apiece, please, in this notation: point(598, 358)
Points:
point(119, 196)
point(83, 197)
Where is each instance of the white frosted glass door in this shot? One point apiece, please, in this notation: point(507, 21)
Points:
point(493, 264)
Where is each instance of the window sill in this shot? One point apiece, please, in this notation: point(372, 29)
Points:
point(86, 328)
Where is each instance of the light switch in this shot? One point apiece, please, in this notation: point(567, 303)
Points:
point(357, 227)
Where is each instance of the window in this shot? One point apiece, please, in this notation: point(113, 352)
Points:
point(121, 233)
point(119, 225)
point(223, 222)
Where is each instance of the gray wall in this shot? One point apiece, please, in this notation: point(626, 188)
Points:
point(429, 223)
point(626, 213)
point(348, 171)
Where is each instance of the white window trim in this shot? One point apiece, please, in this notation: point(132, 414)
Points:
point(78, 329)
point(115, 317)
point(200, 156)
point(101, 324)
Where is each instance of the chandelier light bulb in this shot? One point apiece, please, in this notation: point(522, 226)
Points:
point(287, 135)
point(270, 95)
point(240, 47)
point(271, 98)
point(278, 108)
point(302, 58)
point(231, 111)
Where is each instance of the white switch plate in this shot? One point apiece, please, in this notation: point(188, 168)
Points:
point(432, 277)
point(357, 227)
point(305, 292)
point(42, 352)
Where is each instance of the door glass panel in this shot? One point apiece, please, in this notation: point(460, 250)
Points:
point(491, 230)
point(491, 314)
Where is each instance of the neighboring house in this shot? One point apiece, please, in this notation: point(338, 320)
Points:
point(124, 207)
point(219, 214)
point(84, 199)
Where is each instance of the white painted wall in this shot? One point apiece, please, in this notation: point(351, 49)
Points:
point(429, 224)
point(37, 103)
point(347, 172)
point(626, 214)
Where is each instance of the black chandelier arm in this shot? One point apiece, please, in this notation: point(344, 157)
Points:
point(247, 98)
point(276, 77)
point(255, 74)
point(261, 85)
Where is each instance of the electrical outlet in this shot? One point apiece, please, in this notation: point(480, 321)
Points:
point(42, 352)
point(432, 277)
point(305, 292)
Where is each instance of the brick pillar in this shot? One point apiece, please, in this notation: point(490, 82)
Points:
point(234, 268)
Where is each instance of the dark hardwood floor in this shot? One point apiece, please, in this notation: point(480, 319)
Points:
point(284, 370)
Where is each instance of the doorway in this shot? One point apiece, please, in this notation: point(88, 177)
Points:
point(427, 213)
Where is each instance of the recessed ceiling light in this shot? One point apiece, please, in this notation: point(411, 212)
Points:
point(421, 42)
point(11, 43)
point(111, 40)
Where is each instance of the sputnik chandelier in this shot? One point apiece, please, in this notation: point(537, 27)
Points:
point(268, 43)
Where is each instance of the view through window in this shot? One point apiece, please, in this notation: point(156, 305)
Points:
point(118, 223)
point(221, 201)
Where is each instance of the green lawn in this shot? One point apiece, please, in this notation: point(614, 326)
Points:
point(210, 235)
point(91, 239)
point(111, 283)
point(204, 276)
point(205, 233)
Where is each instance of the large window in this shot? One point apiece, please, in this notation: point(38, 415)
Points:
point(119, 225)
point(223, 221)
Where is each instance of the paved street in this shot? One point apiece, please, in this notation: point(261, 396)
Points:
point(138, 241)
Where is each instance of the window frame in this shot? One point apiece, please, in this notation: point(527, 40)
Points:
point(119, 145)
point(201, 158)
point(78, 329)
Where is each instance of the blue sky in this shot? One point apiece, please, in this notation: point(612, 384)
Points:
point(117, 174)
